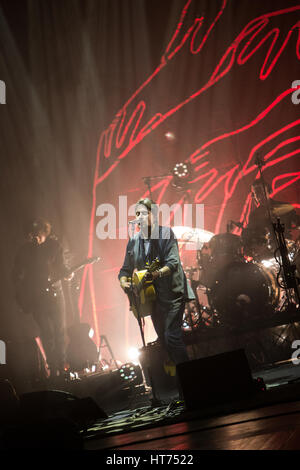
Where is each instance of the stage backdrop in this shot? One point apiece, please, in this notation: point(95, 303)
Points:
point(101, 94)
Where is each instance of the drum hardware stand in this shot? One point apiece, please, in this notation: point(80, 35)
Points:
point(189, 316)
point(289, 276)
point(211, 309)
point(290, 281)
point(282, 304)
point(260, 164)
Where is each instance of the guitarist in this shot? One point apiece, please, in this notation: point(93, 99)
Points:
point(154, 241)
point(37, 261)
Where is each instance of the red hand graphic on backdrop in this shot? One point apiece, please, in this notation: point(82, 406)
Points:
point(133, 123)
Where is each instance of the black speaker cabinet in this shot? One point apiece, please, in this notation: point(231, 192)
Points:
point(154, 361)
point(214, 380)
point(47, 404)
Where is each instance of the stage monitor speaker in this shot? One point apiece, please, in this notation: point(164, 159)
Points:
point(49, 404)
point(214, 380)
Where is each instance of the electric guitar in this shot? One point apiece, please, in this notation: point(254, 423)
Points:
point(142, 294)
point(74, 269)
point(27, 293)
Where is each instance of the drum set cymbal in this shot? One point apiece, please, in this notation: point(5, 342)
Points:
point(278, 210)
point(191, 237)
point(283, 209)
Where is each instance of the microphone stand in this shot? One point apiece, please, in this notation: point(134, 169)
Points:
point(259, 164)
point(155, 402)
point(147, 181)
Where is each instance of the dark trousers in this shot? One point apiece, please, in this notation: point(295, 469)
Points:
point(49, 316)
point(167, 321)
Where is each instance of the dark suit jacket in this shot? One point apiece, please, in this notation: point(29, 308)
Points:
point(164, 247)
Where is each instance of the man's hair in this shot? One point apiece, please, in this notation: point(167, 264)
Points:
point(150, 205)
point(36, 226)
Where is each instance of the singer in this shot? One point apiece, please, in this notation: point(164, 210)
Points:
point(40, 258)
point(172, 291)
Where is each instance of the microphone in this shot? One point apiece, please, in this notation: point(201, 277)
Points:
point(135, 221)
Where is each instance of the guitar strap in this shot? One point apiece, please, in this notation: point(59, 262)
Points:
point(132, 252)
point(136, 251)
point(155, 248)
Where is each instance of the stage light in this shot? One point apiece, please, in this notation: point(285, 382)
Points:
point(91, 333)
point(268, 263)
point(131, 374)
point(181, 172)
point(170, 135)
point(74, 376)
point(133, 355)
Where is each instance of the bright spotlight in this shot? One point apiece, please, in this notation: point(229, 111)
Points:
point(170, 135)
point(133, 354)
point(268, 263)
point(91, 333)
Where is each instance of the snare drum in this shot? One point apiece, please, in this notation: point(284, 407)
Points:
point(225, 249)
point(225, 244)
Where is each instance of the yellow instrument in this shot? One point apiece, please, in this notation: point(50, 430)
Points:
point(142, 295)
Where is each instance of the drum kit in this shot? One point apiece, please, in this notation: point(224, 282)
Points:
point(235, 283)
point(236, 279)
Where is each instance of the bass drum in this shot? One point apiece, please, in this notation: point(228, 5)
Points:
point(244, 292)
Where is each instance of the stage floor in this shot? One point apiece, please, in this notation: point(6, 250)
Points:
point(267, 420)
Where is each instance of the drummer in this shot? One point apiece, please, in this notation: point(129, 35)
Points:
point(257, 237)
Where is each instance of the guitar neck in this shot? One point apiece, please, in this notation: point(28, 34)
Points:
point(77, 267)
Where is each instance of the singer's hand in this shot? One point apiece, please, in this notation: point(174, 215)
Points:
point(69, 277)
point(125, 286)
point(151, 276)
point(148, 276)
point(155, 275)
